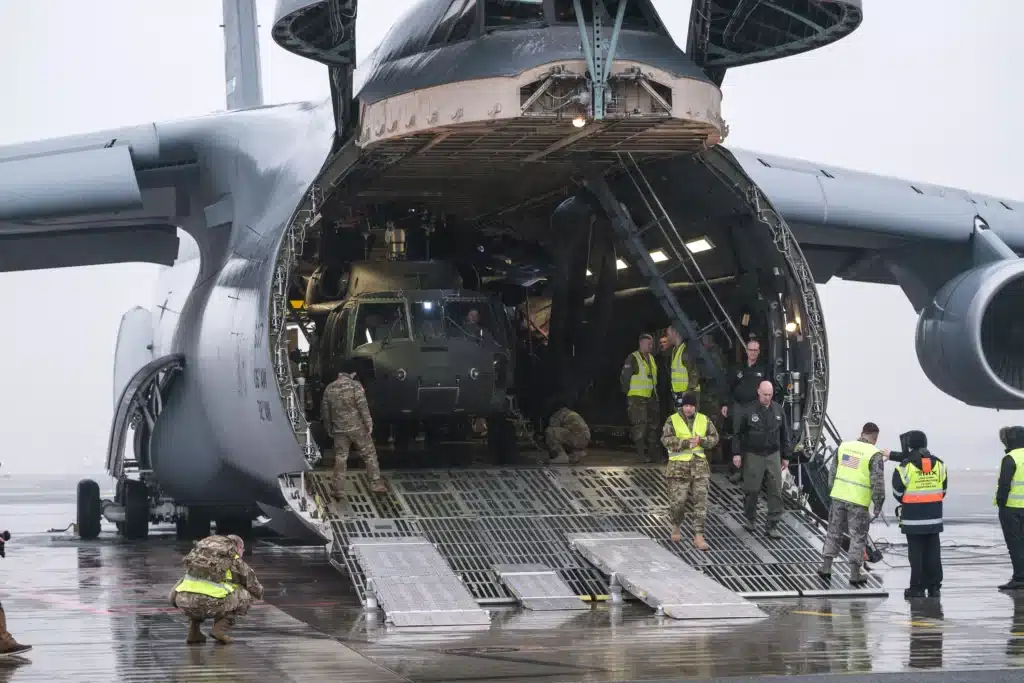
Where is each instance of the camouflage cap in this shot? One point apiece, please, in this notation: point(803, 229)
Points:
point(236, 539)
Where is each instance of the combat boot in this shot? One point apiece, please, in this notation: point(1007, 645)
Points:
point(195, 636)
point(856, 575)
point(379, 486)
point(219, 631)
point(700, 543)
point(773, 532)
point(825, 570)
point(8, 645)
point(749, 525)
point(677, 534)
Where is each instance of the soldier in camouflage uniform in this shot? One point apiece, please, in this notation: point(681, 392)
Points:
point(200, 598)
point(639, 379)
point(346, 417)
point(687, 435)
point(567, 429)
point(857, 480)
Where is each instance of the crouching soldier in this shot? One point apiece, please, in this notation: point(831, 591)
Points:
point(217, 585)
point(567, 431)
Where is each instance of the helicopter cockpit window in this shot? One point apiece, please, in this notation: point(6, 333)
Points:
point(380, 321)
point(428, 320)
point(472, 319)
point(510, 13)
point(635, 17)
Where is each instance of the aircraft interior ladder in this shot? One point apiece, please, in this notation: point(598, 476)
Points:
point(664, 232)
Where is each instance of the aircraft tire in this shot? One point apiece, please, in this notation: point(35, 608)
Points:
point(136, 510)
point(501, 439)
point(89, 509)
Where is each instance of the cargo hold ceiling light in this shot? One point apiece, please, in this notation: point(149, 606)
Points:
point(658, 256)
point(700, 244)
point(620, 264)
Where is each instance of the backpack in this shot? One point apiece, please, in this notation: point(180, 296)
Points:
point(211, 558)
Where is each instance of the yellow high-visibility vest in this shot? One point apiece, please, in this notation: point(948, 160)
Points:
point(1016, 497)
point(213, 589)
point(643, 382)
point(853, 473)
point(680, 374)
point(700, 428)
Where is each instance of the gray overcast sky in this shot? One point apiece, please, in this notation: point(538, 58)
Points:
point(925, 89)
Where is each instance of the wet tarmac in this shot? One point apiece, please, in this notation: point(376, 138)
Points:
point(98, 611)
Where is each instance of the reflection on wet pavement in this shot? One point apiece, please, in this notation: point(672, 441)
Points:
point(99, 612)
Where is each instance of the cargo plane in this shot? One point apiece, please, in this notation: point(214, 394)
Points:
point(486, 154)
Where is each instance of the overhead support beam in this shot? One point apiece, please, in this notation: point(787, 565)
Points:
point(565, 142)
point(599, 60)
point(628, 232)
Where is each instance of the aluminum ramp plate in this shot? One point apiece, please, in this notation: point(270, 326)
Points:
point(414, 584)
point(661, 579)
point(538, 587)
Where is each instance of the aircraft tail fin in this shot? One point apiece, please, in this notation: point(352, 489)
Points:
point(242, 55)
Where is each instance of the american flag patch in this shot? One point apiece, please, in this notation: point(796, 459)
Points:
point(850, 461)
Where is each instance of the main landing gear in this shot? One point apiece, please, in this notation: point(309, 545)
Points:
point(131, 510)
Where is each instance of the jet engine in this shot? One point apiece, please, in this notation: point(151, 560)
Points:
point(970, 338)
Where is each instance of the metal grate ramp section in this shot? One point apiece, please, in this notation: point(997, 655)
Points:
point(414, 584)
point(537, 587)
point(660, 579)
point(479, 519)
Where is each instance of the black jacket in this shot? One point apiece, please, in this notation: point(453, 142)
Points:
point(762, 430)
point(1014, 440)
point(745, 380)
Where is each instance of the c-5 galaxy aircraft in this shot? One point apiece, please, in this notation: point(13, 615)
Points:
point(575, 125)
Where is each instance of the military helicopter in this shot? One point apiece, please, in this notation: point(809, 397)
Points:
point(431, 354)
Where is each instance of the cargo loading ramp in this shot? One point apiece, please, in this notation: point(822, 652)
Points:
point(662, 580)
point(480, 519)
point(414, 584)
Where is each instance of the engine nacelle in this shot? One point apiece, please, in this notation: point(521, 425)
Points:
point(970, 338)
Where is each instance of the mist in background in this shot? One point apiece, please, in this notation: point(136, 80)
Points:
point(924, 90)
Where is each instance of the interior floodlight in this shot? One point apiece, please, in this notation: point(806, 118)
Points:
point(791, 327)
point(698, 245)
point(658, 256)
point(620, 264)
point(579, 122)
point(589, 274)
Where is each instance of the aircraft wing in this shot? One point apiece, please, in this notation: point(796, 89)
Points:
point(871, 228)
point(105, 197)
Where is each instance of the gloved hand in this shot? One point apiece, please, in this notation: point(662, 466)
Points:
point(877, 511)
